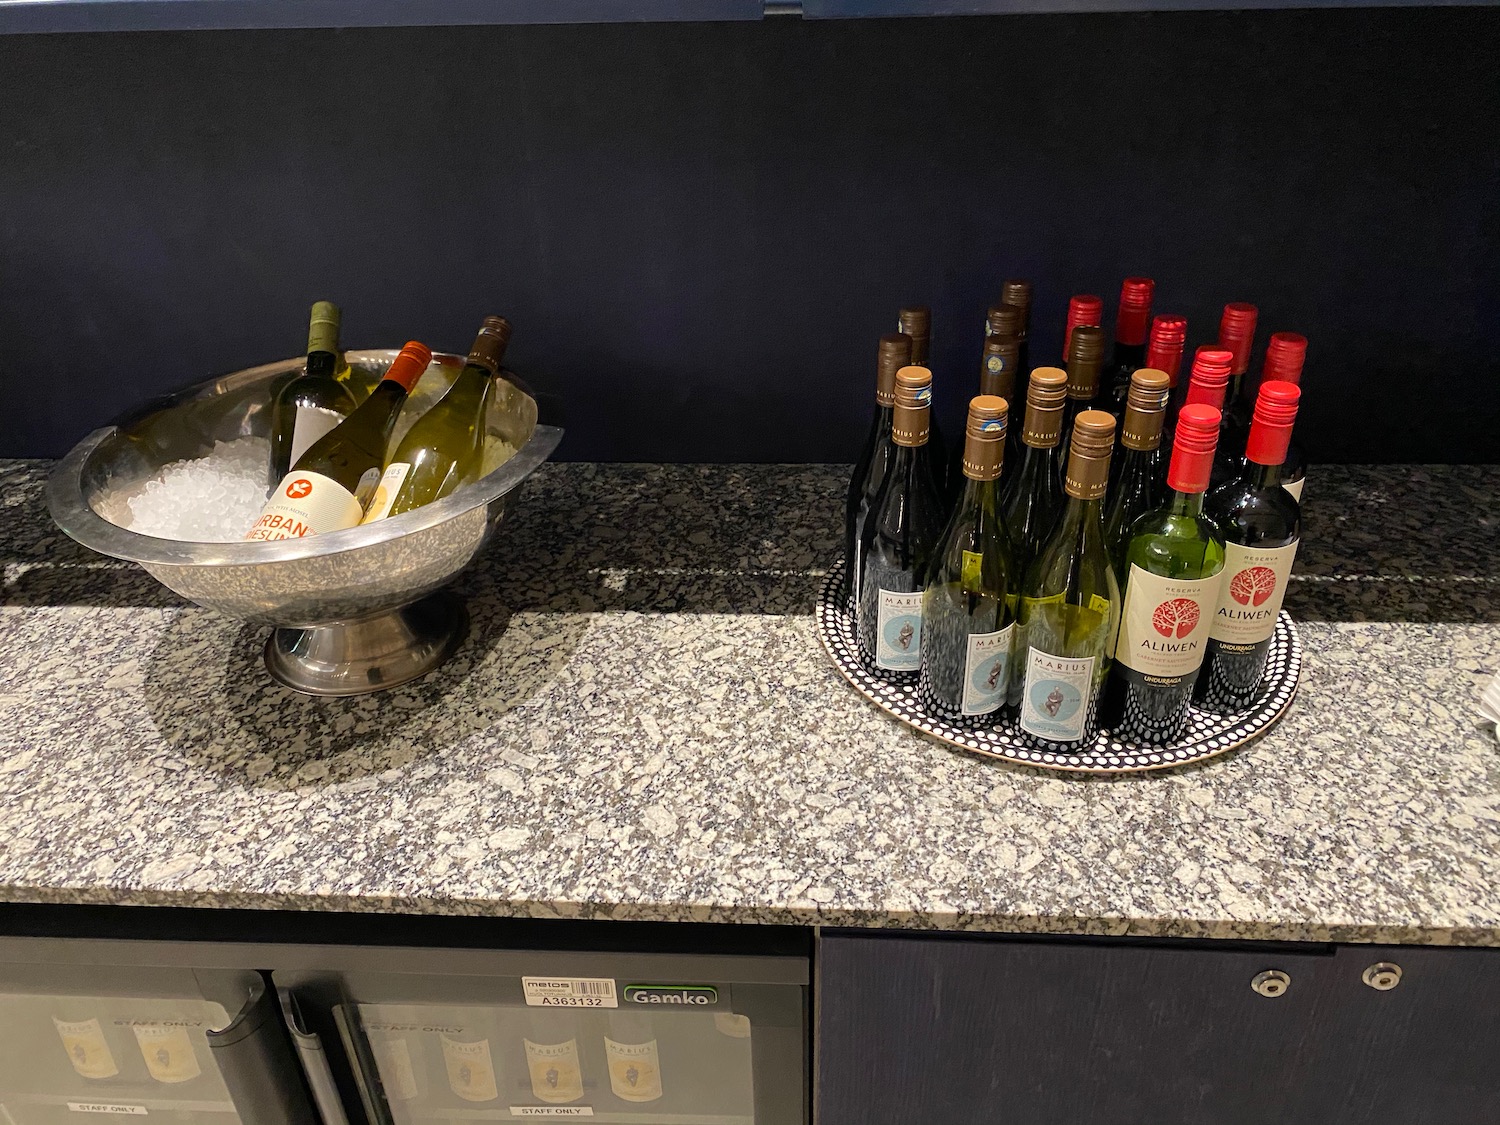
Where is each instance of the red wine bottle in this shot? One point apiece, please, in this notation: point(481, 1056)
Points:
point(1236, 336)
point(1084, 310)
point(1261, 523)
point(1130, 341)
point(1174, 564)
point(1206, 385)
point(1164, 353)
point(1284, 357)
point(875, 456)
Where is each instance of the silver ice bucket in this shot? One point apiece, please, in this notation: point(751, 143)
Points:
point(353, 611)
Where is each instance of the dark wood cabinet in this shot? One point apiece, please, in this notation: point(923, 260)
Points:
point(1012, 1031)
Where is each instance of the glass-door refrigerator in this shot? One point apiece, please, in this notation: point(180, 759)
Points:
point(449, 1036)
point(83, 1038)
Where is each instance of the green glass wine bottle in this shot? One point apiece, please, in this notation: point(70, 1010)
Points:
point(1262, 524)
point(1032, 495)
point(315, 399)
point(1136, 484)
point(899, 536)
point(1174, 562)
point(444, 449)
point(330, 483)
point(966, 606)
point(1070, 604)
point(875, 458)
point(1130, 341)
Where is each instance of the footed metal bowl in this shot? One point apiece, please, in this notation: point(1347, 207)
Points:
point(353, 611)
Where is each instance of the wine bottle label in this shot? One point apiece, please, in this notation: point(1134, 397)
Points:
point(732, 1024)
point(986, 670)
point(306, 504)
point(311, 423)
point(168, 1052)
point(1255, 581)
point(397, 1075)
point(385, 492)
point(556, 1075)
point(1164, 626)
point(87, 1048)
point(634, 1070)
point(898, 640)
point(1056, 697)
point(471, 1070)
point(1295, 488)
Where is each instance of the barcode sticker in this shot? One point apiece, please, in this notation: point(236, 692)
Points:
point(569, 992)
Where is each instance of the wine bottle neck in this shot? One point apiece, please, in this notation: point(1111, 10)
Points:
point(1263, 476)
point(1185, 503)
point(323, 363)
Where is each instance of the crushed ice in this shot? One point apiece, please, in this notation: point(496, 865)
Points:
point(210, 499)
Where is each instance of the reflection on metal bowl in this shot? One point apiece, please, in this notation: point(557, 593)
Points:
point(354, 611)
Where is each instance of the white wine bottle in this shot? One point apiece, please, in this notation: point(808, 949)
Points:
point(634, 1059)
point(552, 1057)
point(316, 399)
point(327, 487)
point(445, 449)
point(1070, 603)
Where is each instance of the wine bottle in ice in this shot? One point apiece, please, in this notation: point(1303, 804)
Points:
point(1174, 564)
point(313, 401)
point(328, 486)
point(1261, 523)
point(444, 449)
point(967, 604)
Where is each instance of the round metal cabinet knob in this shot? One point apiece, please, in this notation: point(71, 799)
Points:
point(1382, 976)
point(1271, 982)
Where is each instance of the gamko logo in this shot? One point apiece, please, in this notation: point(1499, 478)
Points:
point(1253, 584)
point(697, 995)
point(299, 488)
point(1179, 615)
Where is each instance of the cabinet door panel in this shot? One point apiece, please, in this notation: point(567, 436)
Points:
point(989, 1032)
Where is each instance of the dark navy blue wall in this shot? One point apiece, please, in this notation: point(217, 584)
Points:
point(700, 229)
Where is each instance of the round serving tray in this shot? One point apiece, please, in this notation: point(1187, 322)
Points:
point(1208, 734)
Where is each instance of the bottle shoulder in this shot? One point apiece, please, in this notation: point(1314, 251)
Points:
point(1248, 515)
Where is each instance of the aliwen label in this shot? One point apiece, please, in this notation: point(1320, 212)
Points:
point(1164, 627)
point(1056, 696)
point(986, 671)
point(306, 504)
point(1254, 585)
point(898, 637)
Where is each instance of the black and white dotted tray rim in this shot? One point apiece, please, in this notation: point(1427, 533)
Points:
point(1211, 734)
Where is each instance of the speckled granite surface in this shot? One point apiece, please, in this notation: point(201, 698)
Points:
point(643, 726)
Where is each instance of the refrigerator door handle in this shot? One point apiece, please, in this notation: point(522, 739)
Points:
point(255, 1059)
point(314, 1061)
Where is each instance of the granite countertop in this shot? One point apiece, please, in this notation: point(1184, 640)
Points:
point(643, 726)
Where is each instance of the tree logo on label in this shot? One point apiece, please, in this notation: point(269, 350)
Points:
point(1175, 615)
point(299, 488)
point(1254, 585)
